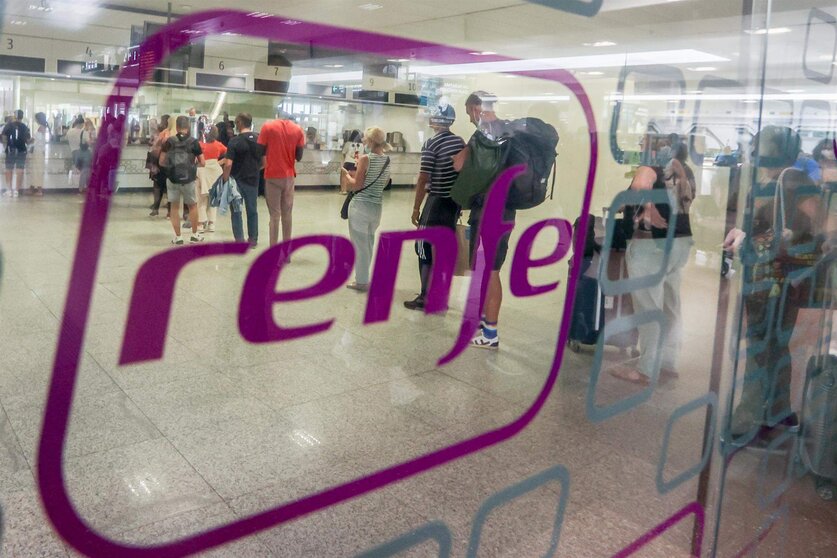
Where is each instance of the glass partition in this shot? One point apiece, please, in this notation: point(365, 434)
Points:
point(579, 302)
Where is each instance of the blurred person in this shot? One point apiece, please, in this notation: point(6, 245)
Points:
point(37, 164)
point(16, 139)
point(826, 159)
point(352, 150)
point(157, 172)
point(480, 109)
point(212, 150)
point(181, 156)
point(782, 236)
point(74, 137)
point(645, 255)
point(87, 142)
point(243, 162)
point(373, 172)
point(436, 177)
point(809, 166)
point(284, 142)
point(225, 130)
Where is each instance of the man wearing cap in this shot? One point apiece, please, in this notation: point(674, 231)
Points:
point(480, 109)
point(436, 177)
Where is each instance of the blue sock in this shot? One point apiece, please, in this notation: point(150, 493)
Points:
point(489, 329)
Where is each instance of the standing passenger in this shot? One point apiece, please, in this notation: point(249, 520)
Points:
point(37, 167)
point(212, 151)
point(181, 157)
point(365, 208)
point(16, 139)
point(437, 175)
point(158, 171)
point(244, 156)
point(480, 109)
point(352, 149)
point(284, 142)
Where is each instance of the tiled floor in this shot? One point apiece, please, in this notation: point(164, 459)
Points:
point(220, 428)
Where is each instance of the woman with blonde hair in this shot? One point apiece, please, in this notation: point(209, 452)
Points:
point(207, 175)
point(367, 187)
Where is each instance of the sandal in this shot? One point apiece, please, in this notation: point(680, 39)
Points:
point(629, 374)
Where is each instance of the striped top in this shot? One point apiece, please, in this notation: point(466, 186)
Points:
point(375, 181)
point(436, 161)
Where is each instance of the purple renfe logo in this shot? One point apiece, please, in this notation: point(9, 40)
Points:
point(255, 322)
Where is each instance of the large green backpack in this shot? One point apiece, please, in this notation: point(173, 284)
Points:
point(484, 163)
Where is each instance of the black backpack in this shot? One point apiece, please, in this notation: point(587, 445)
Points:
point(181, 160)
point(18, 136)
point(531, 142)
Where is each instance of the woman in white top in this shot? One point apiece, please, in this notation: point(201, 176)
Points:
point(74, 139)
point(373, 172)
point(37, 167)
point(352, 150)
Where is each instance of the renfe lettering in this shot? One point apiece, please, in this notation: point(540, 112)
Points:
point(147, 324)
point(255, 313)
point(382, 285)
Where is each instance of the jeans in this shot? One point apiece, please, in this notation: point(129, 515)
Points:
point(644, 257)
point(364, 219)
point(250, 193)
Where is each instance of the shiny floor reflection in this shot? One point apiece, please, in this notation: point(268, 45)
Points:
point(220, 428)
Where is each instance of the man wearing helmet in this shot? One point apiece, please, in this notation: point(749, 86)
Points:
point(436, 177)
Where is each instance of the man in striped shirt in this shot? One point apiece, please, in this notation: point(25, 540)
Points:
point(435, 180)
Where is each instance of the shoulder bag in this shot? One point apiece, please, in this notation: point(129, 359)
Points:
point(344, 211)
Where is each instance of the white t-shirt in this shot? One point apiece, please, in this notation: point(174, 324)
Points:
point(74, 138)
point(352, 152)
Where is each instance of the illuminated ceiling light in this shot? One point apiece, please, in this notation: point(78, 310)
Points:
point(483, 53)
point(17, 22)
point(617, 60)
point(599, 44)
point(398, 59)
point(592, 73)
point(703, 69)
point(333, 65)
point(771, 31)
point(370, 7)
point(794, 91)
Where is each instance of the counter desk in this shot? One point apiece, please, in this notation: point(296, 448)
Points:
point(318, 168)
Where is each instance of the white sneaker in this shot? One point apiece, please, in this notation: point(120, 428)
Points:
point(195, 238)
point(15, 193)
point(483, 342)
point(210, 227)
point(177, 241)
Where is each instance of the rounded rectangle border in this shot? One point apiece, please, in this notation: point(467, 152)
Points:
point(623, 324)
point(194, 27)
point(586, 8)
point(828, 19)
point(711, 400)
point(433, 531)
point(623, 286)
point(557, 473)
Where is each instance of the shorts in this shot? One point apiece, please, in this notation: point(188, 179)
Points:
point(502, 245)
point(350, 166)
point(437, 212)
point(15, 160)
point(186, 192)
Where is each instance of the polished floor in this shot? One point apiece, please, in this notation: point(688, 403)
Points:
point(219, 428)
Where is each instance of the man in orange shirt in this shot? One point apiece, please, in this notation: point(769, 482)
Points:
point(284, 141)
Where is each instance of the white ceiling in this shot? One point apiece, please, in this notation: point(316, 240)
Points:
point(514, 28)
